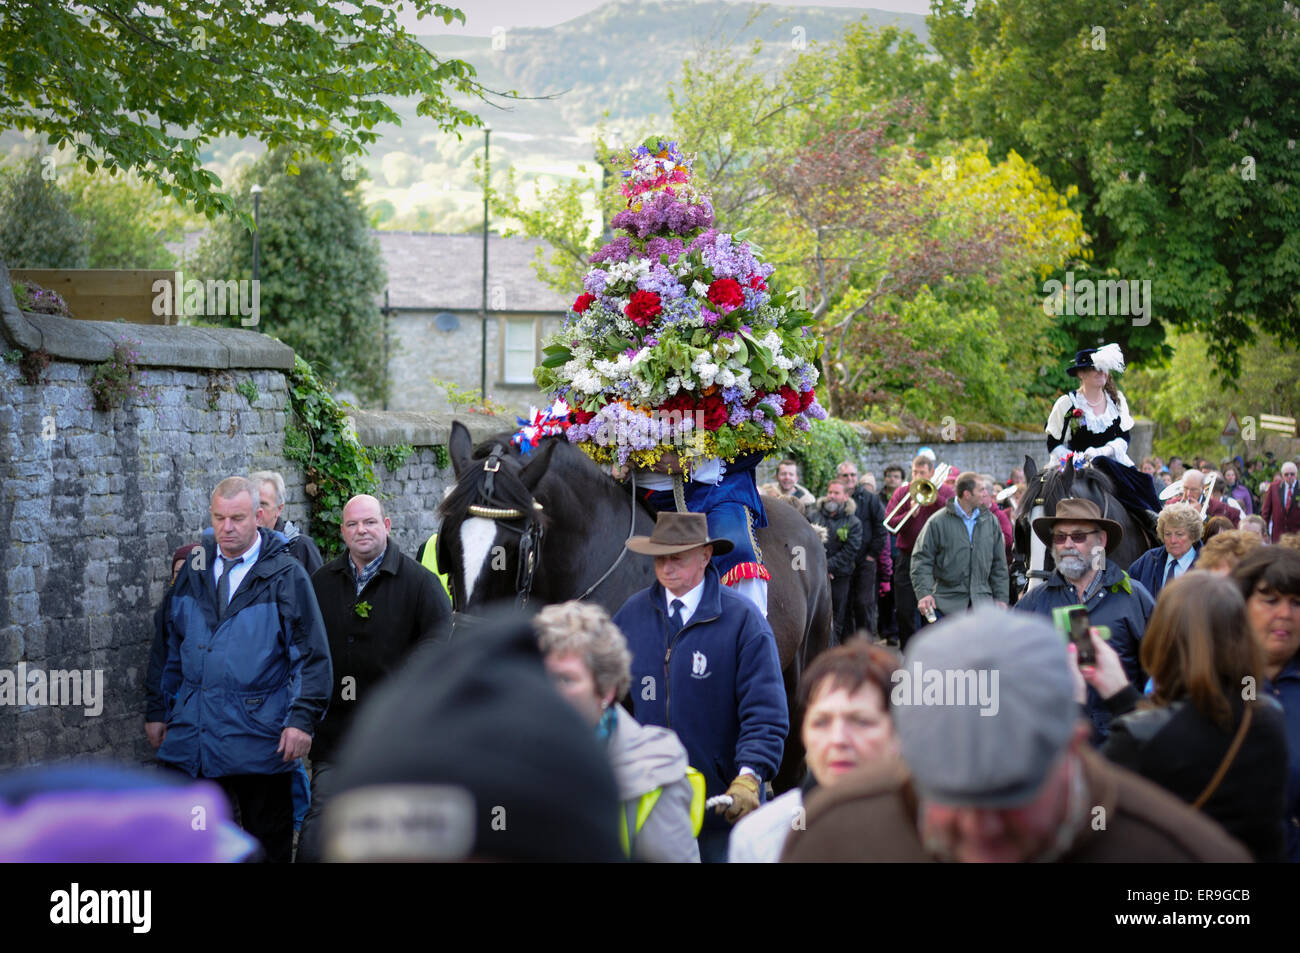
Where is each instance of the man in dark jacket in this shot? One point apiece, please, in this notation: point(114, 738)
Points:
point(899, 506)
point(378, 604)
point(248, 671)
point(835, 515)
point(1084, 576)
point(271, 496)
point(704, 663)
point(871, 514)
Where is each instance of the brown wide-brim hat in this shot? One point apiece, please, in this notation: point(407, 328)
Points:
point(676, 533)
point(1078, 511)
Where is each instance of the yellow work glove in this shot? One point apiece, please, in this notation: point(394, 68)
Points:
point(744, 797)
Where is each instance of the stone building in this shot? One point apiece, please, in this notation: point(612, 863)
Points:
point(433, 295)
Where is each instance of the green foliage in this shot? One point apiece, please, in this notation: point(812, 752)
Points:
point(114, 380)
point(1176, 122)
point(320, 270)
point(1190, 407)
point(37, 226)
point(337, 467)
point(470, 399)
point(128, 222)
point(829, 442)
point(249, 390)
point(392, 457)
point(143, 87)
point(441, 456)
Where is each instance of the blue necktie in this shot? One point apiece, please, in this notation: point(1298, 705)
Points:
point(675, 614)
point(1172, 572)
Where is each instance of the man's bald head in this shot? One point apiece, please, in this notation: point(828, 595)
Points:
point(365, 528)
point(1193, 481)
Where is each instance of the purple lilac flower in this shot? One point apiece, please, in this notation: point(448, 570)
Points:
point(731, 395)
point(663, 282)
point(663, 211)
point(727, 335)
point(672, 247)
point(746, 329)
point(816, 411)
point(614, 251)
point(594, 281)
point(651, 341)
point(738, 415)
point(801, 423)
point(769, 427)
point(710, 319)
point(754, 299)
point(776, 403)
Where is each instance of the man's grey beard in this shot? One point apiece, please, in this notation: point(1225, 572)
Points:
point(1073, 567)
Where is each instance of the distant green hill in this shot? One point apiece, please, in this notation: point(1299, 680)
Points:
point(612, 65)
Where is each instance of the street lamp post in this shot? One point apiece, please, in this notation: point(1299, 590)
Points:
point(257, 205)
point(487, 133)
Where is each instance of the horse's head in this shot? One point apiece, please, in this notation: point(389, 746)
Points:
point(1044, 490)
point(489, 543)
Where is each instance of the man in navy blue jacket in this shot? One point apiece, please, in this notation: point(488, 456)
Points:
point(704, 663)
point(248, 671)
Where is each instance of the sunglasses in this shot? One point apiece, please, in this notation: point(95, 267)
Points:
point(1078, 538)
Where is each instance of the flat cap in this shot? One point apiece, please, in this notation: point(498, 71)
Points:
point(984, 705)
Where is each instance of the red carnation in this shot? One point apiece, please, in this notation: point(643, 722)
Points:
point(791, 403)
point(715, 412)
point(757, 283)
point(756, 399)
point(643, 308)
point(682, 402)
point(726, 294)
point(808, 398)
point(581, 417)
point(583, 303)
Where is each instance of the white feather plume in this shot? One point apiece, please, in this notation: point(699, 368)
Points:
point(1108, 359)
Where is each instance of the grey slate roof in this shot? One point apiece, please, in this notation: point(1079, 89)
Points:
point(437, 272)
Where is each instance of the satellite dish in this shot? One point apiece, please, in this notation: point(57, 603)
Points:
point(446, 321)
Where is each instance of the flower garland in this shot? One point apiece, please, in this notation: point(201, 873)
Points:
point(679, 342)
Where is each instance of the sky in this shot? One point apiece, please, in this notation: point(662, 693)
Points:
point(482, 15)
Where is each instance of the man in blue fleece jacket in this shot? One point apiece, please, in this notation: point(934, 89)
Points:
point(704, 663)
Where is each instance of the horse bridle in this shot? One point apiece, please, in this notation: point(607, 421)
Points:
point(530, 535)
point(1031, 573)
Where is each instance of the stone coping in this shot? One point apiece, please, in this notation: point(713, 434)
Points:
point(381, 428)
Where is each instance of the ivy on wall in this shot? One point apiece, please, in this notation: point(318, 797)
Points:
point(321, 439)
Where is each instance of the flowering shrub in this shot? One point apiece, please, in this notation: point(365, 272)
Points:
point(113, 381)
point(678, 342)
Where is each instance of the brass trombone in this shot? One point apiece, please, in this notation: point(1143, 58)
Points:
point(919, 493)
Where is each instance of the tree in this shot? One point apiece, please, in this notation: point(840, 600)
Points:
point(1176, 122)
point(321, 270)
point(37, 226)
point(145, 87)
point(1190, 408)
point(128, 221)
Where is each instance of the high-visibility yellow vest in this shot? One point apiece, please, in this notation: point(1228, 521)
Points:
point(646, 803)
point(430, 562)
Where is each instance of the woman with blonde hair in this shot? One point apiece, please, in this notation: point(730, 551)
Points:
point(1221, 554)
point(1179, 528)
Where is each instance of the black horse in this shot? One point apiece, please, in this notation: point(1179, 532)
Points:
point(1046, 488)
point(571, 519)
